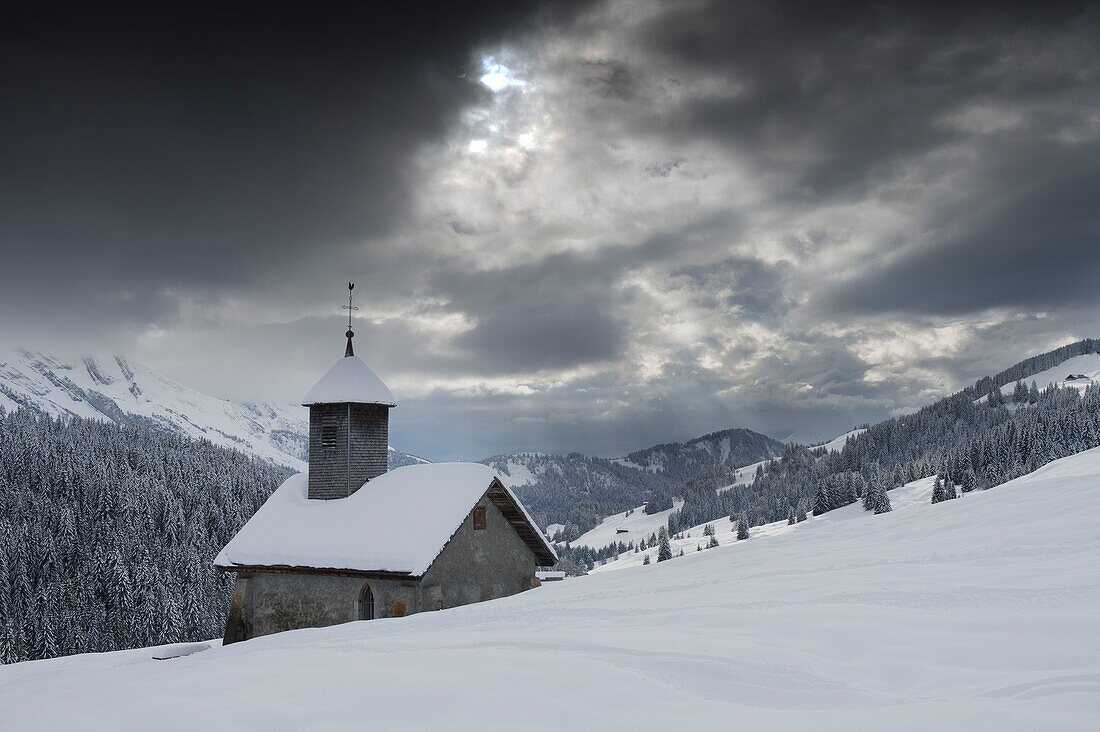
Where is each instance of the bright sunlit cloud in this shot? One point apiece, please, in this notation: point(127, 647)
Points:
point(497, 76)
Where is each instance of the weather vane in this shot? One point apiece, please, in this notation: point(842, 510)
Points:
point(349, 307)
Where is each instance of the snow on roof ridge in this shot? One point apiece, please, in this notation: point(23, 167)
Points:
point(397, 522)
point(349, 380)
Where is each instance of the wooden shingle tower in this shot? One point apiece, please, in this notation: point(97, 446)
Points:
point(348, 425)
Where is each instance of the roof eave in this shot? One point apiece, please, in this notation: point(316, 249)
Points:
point(295, 569)
point(391, 405)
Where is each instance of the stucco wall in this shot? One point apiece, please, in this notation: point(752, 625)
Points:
point(479, 565)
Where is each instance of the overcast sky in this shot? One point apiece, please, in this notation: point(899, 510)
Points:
point(589, 226)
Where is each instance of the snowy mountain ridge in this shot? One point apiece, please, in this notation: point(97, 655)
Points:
point(119, 390)
point(578, 491)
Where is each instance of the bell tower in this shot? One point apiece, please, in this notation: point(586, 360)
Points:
point(349, 417)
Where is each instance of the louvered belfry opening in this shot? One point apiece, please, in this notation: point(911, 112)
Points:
point(347, 447)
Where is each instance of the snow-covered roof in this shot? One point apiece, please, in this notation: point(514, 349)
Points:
point(349, 380)
point(397, 522)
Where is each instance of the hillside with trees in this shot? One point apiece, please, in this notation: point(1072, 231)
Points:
point(108, 532)
point(972, 440)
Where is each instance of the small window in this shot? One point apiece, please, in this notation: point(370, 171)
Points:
point(479, 518)
point(366, 604)
point(328, 432)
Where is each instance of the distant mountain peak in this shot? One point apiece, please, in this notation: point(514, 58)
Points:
point(115, 389)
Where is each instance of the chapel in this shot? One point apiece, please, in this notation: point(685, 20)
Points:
point(351, 540)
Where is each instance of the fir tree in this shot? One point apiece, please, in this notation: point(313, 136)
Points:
point(645, 560)
point(881, 503)
point(938, 493)
point(743, 527)
point(664, 550)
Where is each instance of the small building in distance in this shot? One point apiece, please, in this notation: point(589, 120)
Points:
point(351, 540)
point(550, 575)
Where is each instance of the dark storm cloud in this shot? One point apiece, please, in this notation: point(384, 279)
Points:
point(571, 309)
point(1027, 235)
point(751, 286)
point(158, 145)
point(556, 313)
point(862, 87)
point(673, 218)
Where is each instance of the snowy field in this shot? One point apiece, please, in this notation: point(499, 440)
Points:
point(974, 614)
point(917, 494)
point(1087, 365)
point(837, 443)
point(620, 527)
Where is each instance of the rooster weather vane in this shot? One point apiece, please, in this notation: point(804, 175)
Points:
point(349, 307)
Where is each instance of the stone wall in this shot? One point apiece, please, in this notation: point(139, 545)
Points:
point(479, 565)
point(271, 602)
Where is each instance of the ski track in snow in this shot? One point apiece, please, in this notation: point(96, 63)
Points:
point(973, 614)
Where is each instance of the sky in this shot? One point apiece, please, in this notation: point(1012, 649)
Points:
point(589, 226)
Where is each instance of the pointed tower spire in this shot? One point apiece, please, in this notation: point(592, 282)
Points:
point(348, 350)
point(349, 418)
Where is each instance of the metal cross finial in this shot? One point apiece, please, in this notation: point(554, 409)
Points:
point(349, 307)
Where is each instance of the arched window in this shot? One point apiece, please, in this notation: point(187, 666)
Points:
point(366, 604)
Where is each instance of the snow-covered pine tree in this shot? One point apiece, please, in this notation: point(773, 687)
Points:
point(938, 494)
point(712, 542)
point(1019, 394)
point(645, 560)
point(664, 550)
point(869, 501)
point(882, 498)
point(743, 526)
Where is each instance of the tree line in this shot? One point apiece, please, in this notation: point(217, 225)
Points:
point(108, 534)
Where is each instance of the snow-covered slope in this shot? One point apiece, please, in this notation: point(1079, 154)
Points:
point(1087, 365)
point(120, 390)
point(579, 491)
point(837, 443)
point(626, 528)
point(978, 613)
point(117, 389)
point(639, 525)
point(912, 495)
